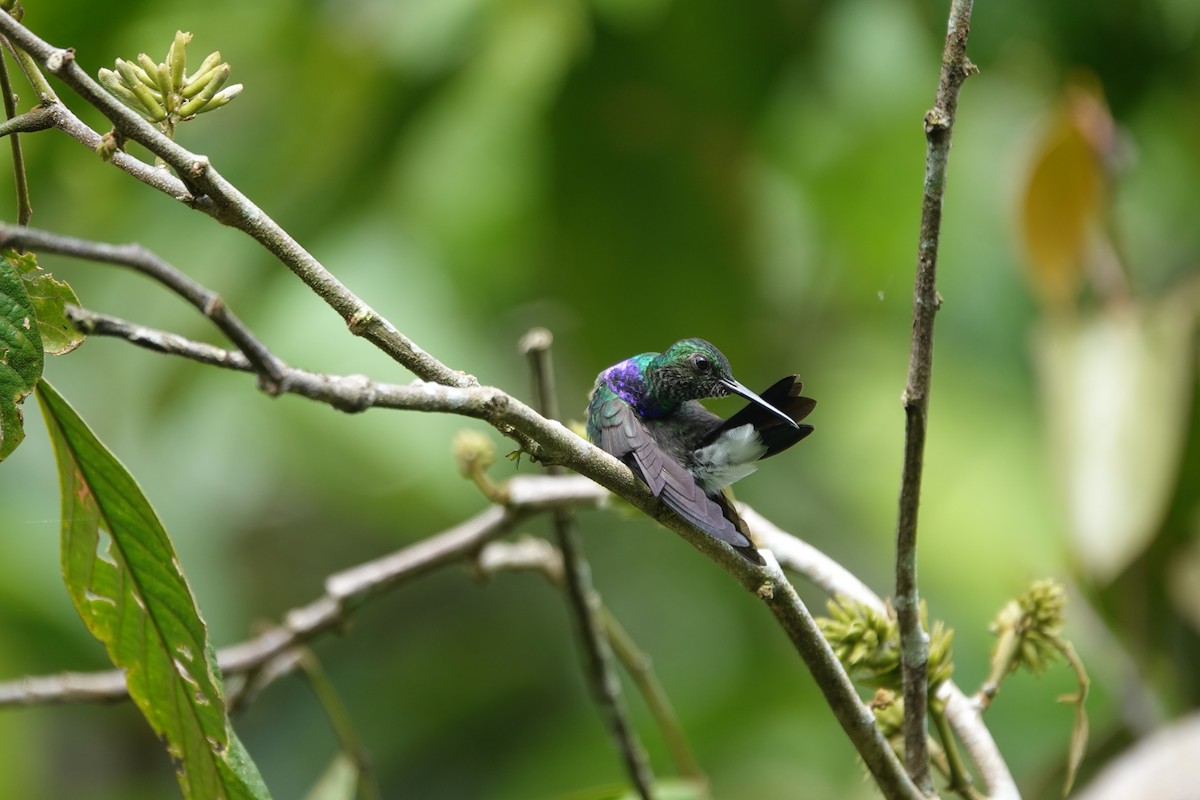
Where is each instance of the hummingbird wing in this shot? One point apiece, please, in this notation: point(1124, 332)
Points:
point(624, 436)
point(773, 432)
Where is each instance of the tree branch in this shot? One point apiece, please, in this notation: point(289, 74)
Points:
point(270, 369)
point(914, 641)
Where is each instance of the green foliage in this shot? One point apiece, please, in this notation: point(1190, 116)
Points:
point(49, 298)
point(21, 354)
point(127, 584)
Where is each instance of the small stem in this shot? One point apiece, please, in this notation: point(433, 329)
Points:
point(641, 670)
point(33, 74)
point(24, 209)
point(583, 600)
point(914, 648)
point(959, 777)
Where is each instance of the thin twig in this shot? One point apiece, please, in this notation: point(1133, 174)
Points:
point(958, 778)
point(269, 368)
point(343, 726)
point(914, 641)
point(24, 210)
point(36, 119)
point(229, 206)
point(582, 598)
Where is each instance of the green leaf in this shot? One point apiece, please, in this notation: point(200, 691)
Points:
point(21, 356)
point(129, 588)
point(50, 298)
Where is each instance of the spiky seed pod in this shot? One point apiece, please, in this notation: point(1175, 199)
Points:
point(1035, 620)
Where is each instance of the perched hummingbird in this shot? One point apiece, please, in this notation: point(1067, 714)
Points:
point(644, 411)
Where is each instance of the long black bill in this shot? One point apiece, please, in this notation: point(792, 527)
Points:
point(742, 391)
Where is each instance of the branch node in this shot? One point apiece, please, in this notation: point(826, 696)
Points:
point(59, 59)
point(198, 167)
point(360, 319)
point(765, 591)
point(936, 121)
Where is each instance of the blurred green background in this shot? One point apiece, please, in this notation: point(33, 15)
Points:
point(628, 173)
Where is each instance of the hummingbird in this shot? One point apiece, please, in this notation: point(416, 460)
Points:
point(645, 412)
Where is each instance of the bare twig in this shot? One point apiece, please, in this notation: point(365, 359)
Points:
point(36, 119)
point(914, 641)
point(582, 597)
point(12, 124)
point(339, 718)
point(269, 368)
point(583, 600)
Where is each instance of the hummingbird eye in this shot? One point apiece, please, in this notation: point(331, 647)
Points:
point(702, 364)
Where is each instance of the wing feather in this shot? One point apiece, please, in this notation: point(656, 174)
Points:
point(622, 434)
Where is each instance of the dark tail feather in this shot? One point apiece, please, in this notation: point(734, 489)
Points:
point(776, 434)
point(748, 551)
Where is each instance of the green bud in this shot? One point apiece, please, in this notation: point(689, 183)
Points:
point(197, 80)
point(113, 83)
point(177, 57)
point(150, 107)
point(197, 103)
point(149, 73)
point(222, 97)
point(473, 451)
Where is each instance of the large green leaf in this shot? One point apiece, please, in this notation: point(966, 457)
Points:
point(130, 590)
point(49, 298)
point(21, 354)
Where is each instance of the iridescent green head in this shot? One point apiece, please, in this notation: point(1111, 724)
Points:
point(692, 369)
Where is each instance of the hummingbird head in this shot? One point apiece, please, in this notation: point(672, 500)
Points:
point(693, 369)
point(690, 369)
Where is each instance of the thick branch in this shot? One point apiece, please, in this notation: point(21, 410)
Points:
point(914, 641)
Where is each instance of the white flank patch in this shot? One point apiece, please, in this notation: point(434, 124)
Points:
point(730, 458)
